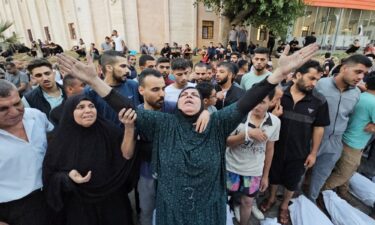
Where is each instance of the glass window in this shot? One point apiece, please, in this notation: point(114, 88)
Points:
point(207, 29)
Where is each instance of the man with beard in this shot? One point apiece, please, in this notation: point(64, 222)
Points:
point(17, 77)
point(49, 94)
point(302, 122)
point(116, 71)
point(132, 61)
point(200, 73)
point(163, 65)
point(227, 92)
point(342, 95)
point(259, 71)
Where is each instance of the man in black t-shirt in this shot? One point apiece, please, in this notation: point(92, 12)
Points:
point(305, 114)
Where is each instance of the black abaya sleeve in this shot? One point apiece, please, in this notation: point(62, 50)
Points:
point(254, 96)
point(229, 117)
point(117, 101)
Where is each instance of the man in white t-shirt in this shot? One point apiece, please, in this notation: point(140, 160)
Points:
point(249, 156)
point(119, 41)
point(180, 72)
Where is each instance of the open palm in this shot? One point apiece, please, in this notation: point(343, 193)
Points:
point(289, 63)
point(78, 69)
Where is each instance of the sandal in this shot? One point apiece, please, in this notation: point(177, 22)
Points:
point(266, 205)
point(283, 217)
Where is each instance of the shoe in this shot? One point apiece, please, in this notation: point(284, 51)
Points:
point(236, 211)
point(256, 212)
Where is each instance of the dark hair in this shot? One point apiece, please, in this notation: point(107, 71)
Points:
point(162, 60)
point(130, 56)
point(179, 64)
point(106, 37)
point(205, 89)
point(229, 66)
point(242, 62)
point(261, 50)
point(148, 72)
point(313, 64)
point(190, 63)
point(370, 81)
point(357, 59)
point(144, 58)
point(271, 94)
point(208, 66)
point(200, 64)
point(68, 81)
point(5, 88)
point(327, 55)
point(109, 58)
point(235, 53)
point(36, 63)
point(11, 64)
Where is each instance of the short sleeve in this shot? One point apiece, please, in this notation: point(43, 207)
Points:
point(24, 78)
point(275, 135)
point(322, 116)
point(228, 118)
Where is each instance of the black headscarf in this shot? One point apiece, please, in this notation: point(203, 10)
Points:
point(96, 148)
point(192, 118)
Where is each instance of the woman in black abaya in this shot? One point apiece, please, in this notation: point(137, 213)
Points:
point(84, 172)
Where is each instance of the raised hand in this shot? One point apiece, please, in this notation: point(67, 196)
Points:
point(77, 177)
point(289, 63)
point(127, 117)
point(78, 69)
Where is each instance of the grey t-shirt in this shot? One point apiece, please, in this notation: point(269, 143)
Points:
point(242, 36)
point(106, 46)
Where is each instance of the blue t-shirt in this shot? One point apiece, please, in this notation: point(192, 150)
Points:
point(128, 89)
point(364, 113)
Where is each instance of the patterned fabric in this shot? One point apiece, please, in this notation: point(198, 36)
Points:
point(247, 185)
point(190, 166)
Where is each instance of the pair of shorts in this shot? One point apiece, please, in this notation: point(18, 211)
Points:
point(247, 185)
point(287, 172)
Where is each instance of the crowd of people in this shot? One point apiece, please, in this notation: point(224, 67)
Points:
point(186, 138)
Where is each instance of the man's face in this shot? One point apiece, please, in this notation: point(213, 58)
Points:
point(120, 70)
point(352, 74)
point(222, 75)
point(262, 107)
point(306, 82)
point(278, 95)
point(213, 99)
point(181, 77)
point(209, 74)
point(201, 74)
point(234, 58)
point(189, 102)
point(152, 91)
point(132, 60)
point(114, 33)
point(107, 40)
point(150, 64)
point(44, 76)
point(11, 110)
point(11, 69)
point(164, 68)
point(76, 88)
point(259, 61)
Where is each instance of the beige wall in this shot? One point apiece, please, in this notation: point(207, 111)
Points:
point(138, 21)
point(203, 14)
